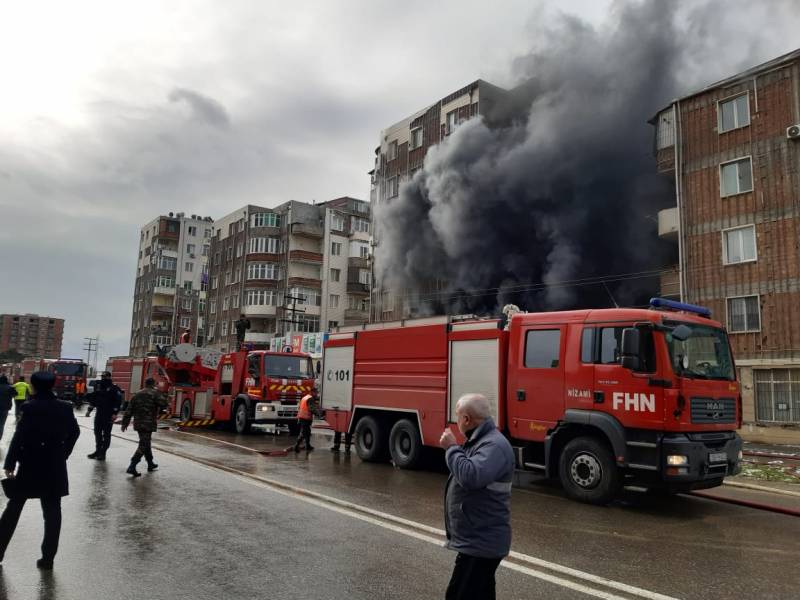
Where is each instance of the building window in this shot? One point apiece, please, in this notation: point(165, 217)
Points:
point(226, 303)
point(363, 276)
point(452, 121)
point(337, 222)
point(186, 322)
point(172, 227)
point(392, 154)
point(416, 138)
point(235, 301)
point(733, 113)
point(228, 278)
point(241, 225)
point(356, 303)
point(393, 185)
point(265, 220)
point(336, 248)
point(263, 271)
point(212, 307)
point(188, 267)
point(187, 285)
point(239, 249)
point(192, 230)
point(387, 301)
point(336, 274)
point(665, 129)
point(360, 224)
point(224, 329)
point(306, 296)
point(257, 297)
point(777, 395)
point(190, 248)
point(333, 301)
point(739, 245)
point(229, 253)
point(211, 329)
point(306, 324)
point(264, 245)
point(208, 232)
point(214, 282)
point(205, 249)
point(333, 325)
point(201, 306)
point(167, 263)
point(744, 314)
point(165, 282)
point(736, 177)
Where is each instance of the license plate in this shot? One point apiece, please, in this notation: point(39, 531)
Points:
point(716, 457)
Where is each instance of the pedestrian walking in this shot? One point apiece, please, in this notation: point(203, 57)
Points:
point(7, 394)
point(37, 460)
point(242, 325)
point(144, 408)
point(23, 393)
point(477, 512)
point(106, 399)
point(309, 406)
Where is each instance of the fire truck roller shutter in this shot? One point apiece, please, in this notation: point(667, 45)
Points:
point(136, 378)
point(474, 369)
point(337, 377)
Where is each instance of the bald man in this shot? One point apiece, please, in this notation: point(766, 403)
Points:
point(477, 499)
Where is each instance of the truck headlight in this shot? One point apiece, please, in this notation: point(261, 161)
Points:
point(677, 460)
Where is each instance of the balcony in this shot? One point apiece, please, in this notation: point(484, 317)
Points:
point(309, 230)
point(167, 253)
point(259, 310)
point(164, 290)
point(353, 316)
point(258, 338)
point(304, 282)
point(306, 257)
point(163, 310)
point(355, 262)
point(668, 224)
point(670, 284)
point(354, 287)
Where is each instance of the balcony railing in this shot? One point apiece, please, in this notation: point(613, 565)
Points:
point(307, 229)
point(356, 262)
point(162, 289)
point(304, 256)
point(355, 287)
point(354, 315)
point(259, 310)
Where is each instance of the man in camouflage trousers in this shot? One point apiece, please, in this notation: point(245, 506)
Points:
point(144, 408)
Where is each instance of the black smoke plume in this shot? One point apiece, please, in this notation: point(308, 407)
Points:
point(567, 189)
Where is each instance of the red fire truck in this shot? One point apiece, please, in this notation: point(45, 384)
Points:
point(70, 374)
point(595, 398)
point(129, 374)
point(239, 388)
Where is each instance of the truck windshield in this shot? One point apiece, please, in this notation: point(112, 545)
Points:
point(297, 367)
point(706, 354)
point(70, 369)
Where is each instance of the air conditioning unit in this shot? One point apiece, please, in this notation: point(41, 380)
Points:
point(793, 132)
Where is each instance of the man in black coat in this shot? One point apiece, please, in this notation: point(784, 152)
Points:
point(37, 459)
point(106, 399)
point(7, 395)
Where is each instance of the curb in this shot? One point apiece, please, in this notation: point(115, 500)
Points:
point(761, 488)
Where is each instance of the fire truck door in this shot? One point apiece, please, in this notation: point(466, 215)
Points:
point(337, 385)
point(536, 382)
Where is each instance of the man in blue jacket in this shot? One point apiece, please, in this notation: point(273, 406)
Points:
point(477, 499)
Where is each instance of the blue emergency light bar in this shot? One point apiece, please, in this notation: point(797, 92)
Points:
point(671, 304)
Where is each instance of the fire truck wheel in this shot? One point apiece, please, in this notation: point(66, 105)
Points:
point(588, 472)
point(405, 444)
point(240, 422)
point(370, 439)
point(186, 410)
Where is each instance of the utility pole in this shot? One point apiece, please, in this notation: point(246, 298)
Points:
point(294, 310)
point(90, 345)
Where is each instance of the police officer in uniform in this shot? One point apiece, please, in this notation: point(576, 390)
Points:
point(144, 408)
point(106, 399)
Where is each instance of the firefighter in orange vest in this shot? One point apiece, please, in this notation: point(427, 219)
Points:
point(309, 406)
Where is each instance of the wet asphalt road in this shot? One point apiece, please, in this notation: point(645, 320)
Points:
point(190, 531)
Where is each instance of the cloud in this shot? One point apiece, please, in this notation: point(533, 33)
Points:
point(203, 108)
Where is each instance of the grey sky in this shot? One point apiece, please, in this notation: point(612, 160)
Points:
point(113, 113)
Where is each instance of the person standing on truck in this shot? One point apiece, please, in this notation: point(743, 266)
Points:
point(144, 408)
point(37, 459)
point(7, 394)
point(186, 337)
point(309, 406)
point(106, 399)
point(23, 392)
point(477, 512)
point(242, 325)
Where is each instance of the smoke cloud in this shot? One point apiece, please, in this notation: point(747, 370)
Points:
point(566, 189)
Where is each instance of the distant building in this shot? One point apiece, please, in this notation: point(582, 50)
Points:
point(171, 281)
point(733, 151)
point(295, 268)
point(401, 153)
point(31, 335)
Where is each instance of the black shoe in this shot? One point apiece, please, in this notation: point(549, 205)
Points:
point(335, 449)
point(101, 457)
point(45, 565)
point(132, 471)
point(309, 448)
point(297, 449)
point(151, 467)
point(347, 451)
point(93, 455)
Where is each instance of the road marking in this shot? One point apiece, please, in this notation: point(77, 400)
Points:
point(413, 529)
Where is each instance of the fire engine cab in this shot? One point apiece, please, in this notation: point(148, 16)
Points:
point(595, 398)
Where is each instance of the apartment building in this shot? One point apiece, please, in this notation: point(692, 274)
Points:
point(31, 335)
point(294, 268)
point(171, 281)
point(733, 152)
point(401, 153)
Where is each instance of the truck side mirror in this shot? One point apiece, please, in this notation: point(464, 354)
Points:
point(631, 344)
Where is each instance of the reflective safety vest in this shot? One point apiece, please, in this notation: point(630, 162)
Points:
point(304, 412)
point(23, 389)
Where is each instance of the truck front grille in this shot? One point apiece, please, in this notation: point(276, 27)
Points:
point(711, 410)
